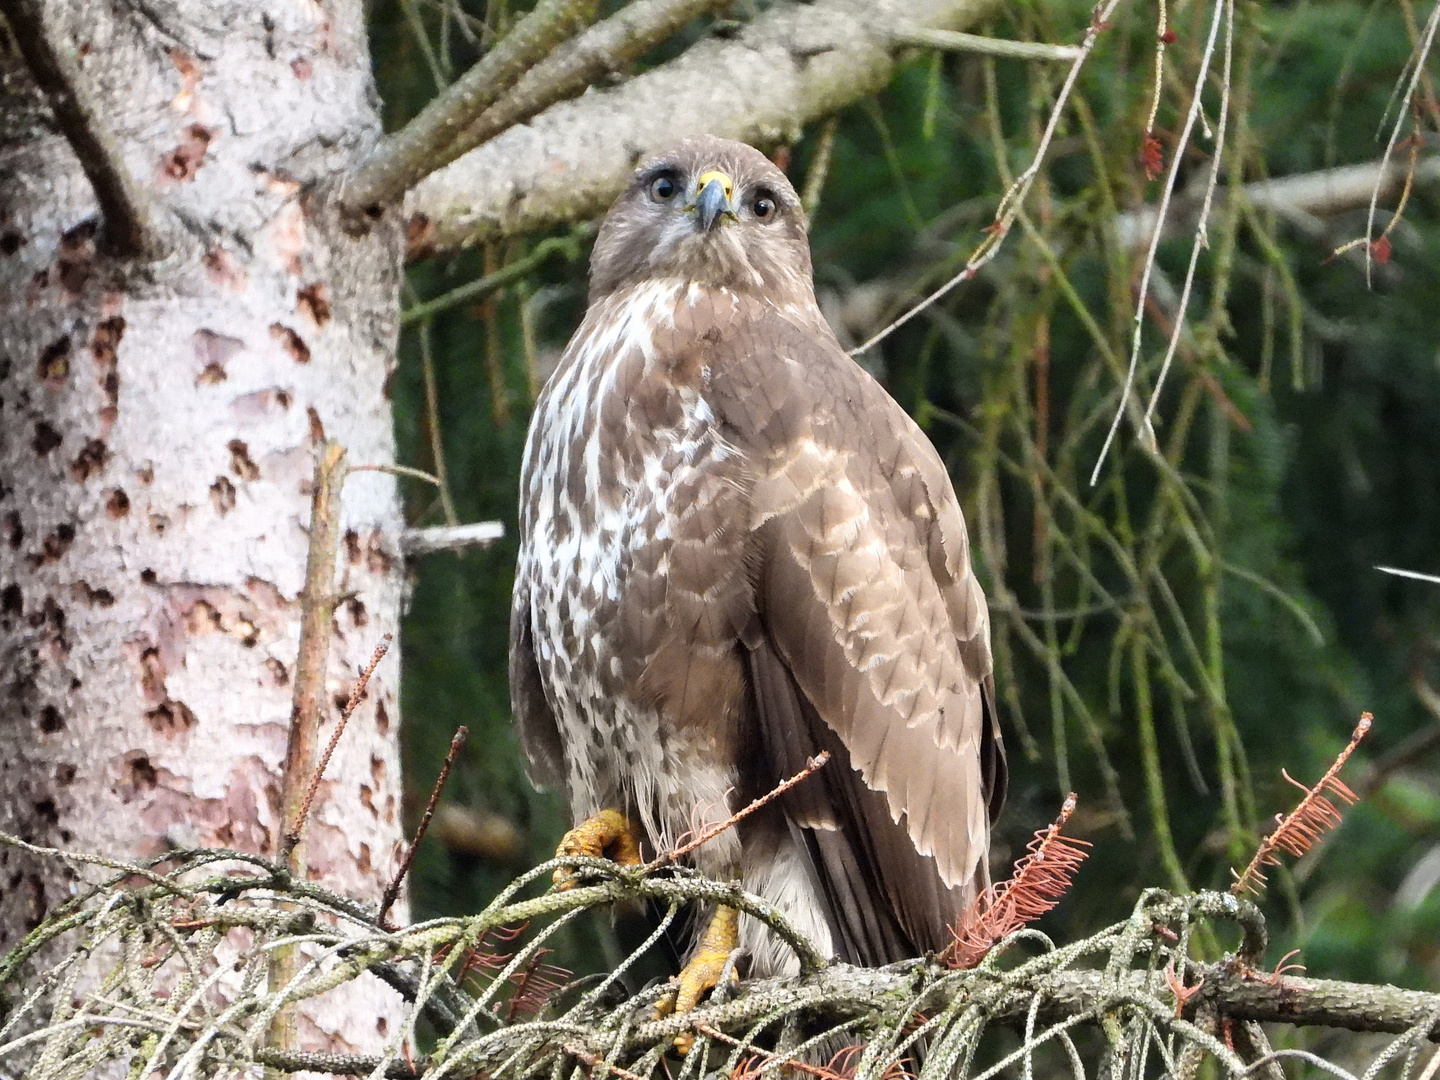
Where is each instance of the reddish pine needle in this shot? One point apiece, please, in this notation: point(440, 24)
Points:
point(1041, 877)
point(1298, 832)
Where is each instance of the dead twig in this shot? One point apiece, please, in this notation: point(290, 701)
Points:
point(392, 890)
point(316, 611)
point(292, 837)
point(668, 857)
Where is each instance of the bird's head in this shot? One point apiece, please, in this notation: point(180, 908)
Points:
point(713, 212)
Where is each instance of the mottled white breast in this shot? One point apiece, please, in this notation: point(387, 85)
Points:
point(578, 558)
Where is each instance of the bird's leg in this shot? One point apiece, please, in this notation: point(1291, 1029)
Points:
point(607, 835)
point(703, 971)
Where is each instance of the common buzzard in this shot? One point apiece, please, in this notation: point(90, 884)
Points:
point(737, 551)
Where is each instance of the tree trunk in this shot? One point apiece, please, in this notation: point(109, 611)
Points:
point(158, 428)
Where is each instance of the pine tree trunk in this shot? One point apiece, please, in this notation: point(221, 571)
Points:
point(158, 428)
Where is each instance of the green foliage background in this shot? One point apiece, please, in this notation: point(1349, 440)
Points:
point(1168, 639)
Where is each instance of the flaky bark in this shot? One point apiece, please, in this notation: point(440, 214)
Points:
point(788, 67)
point(158, 428)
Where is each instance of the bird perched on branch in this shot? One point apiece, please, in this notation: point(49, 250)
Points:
point(738, 551)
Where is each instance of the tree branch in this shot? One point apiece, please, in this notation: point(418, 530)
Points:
point(788, 67)
point(317, 603)
point(1315, 194)
point(126, 207)
point(601, 50)
point(417, 542)
point(1244, 996)
point(422, 145)
point(955, 41)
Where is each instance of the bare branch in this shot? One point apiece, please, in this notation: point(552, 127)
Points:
point(955, 41)
point(130, 228)
point(316, 627)
point(788, 67)
point(392, 890)
point(417, 542)
point(422, 145)
point(1320, 194)
point(316, 611)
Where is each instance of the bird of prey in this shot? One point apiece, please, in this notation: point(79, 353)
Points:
point(738, 551)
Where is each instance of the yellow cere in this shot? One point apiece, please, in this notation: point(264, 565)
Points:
point(716, 174)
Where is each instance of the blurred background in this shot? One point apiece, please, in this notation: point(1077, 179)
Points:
point(1168, 638)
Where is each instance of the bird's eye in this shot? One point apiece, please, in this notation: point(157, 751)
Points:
point(663, 188)
point(764, 205)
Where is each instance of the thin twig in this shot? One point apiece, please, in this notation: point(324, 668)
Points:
point(1201, 240)
point(1014, 198)
point(432, 423)
point(399, 470)
point(1421, 53)
point(292, 835)
point(423, 145)
point(1415, 575)
point(128, 210)
point(392, 890)
point(1147, 431)
point(568, 246)
point(819, 168)
point(667, 857)
point(958, 41)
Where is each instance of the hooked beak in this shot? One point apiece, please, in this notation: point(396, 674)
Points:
point(713, 198)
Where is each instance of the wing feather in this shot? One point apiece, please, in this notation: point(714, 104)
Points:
point(873, 637)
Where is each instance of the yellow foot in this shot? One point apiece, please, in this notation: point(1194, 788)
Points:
point(704, 970)
point(607, 835)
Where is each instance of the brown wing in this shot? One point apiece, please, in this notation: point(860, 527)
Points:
point(871, 636)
